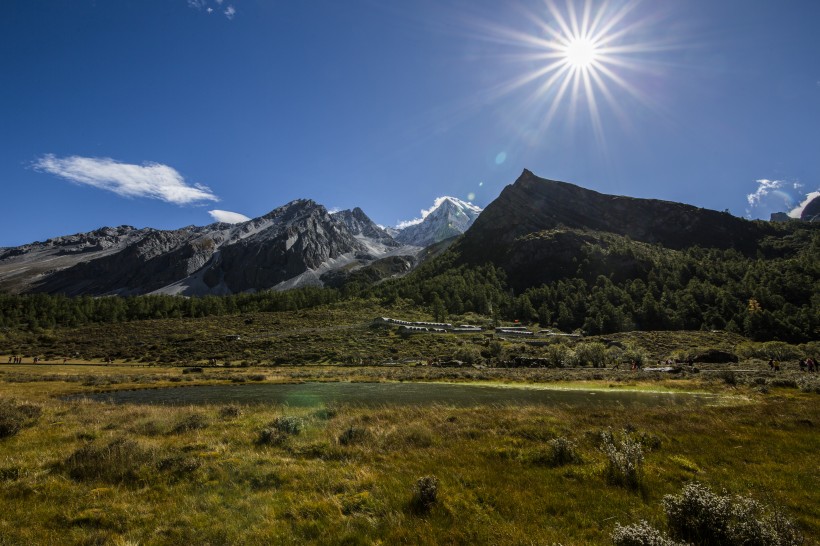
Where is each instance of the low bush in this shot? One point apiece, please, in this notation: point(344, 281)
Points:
point(624, 460)
point(195, 421)
point(562, 452)
point(118, 462)
point(14, 417)
point(640, 534)
point(353, 435)
point(230, 412)
point(809, 383)
point(278, 430)
point(287, 425)
point(698, 515)
point(425, 495)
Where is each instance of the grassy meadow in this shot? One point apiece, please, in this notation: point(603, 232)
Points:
point(84, 472)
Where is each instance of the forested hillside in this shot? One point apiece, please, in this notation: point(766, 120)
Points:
point(616, 285)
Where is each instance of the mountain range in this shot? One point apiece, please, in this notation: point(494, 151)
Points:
point(295, 245)
point(536, 231)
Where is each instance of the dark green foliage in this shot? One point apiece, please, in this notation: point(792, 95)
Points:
point(614, 284)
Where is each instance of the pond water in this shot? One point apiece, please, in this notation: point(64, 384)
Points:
point(380, 394)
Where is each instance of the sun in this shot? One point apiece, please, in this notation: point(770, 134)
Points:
point(580, 53)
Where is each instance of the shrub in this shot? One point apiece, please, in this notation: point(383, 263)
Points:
point(555, 355)
point(230, 412)
point(468, 355)
point(287, 425)
point(809, 383)
point(117, 462)
point(15, 417)
point(562, 451)
point(701, 516)
point(624, 460)
point(425, 494)
point(278, 430)
point(591, 354)
point(639, 534)
point(195, 421)
point(352, 435)
point(633, 352)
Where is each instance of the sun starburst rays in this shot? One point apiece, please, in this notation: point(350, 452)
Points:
point(580, 57)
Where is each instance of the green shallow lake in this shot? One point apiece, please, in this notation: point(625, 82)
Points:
point(380, 394)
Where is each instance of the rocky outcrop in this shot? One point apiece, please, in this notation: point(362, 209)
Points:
point(301, 235)
point(540, 230)
point(299, 241)
point(811, 212)
point(534, 204)
point(362, 227)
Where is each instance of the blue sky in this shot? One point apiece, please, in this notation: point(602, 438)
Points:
point(155, 112)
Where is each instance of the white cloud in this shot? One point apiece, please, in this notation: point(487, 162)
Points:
point(797, 211)
point(152, 180)
point(778, 196)
point(228, 217)
point(764, 188)
point(207, 6)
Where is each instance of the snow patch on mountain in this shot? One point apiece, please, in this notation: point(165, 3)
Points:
point(464, 205)
point(448, 217)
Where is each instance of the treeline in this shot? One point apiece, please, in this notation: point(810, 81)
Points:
point(49, 311)
point(709, 289)
point(776, 298)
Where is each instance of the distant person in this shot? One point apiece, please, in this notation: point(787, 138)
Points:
point(10, 359)
point(771, 364)
point(777, 365)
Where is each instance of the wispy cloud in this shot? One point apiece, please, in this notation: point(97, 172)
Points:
point(764, 188)
point(228, 217)
point(778, 196)
point(211, 6)
point(151, 180)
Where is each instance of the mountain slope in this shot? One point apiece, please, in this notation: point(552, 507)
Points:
point(450, 217)
point(291, 246)
point(532, 205)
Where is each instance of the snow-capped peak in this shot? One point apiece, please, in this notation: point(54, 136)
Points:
point(467, 207)
point(448, 217)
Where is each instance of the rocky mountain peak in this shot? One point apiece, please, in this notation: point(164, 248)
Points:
point(362, 227)
point(449, 217)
